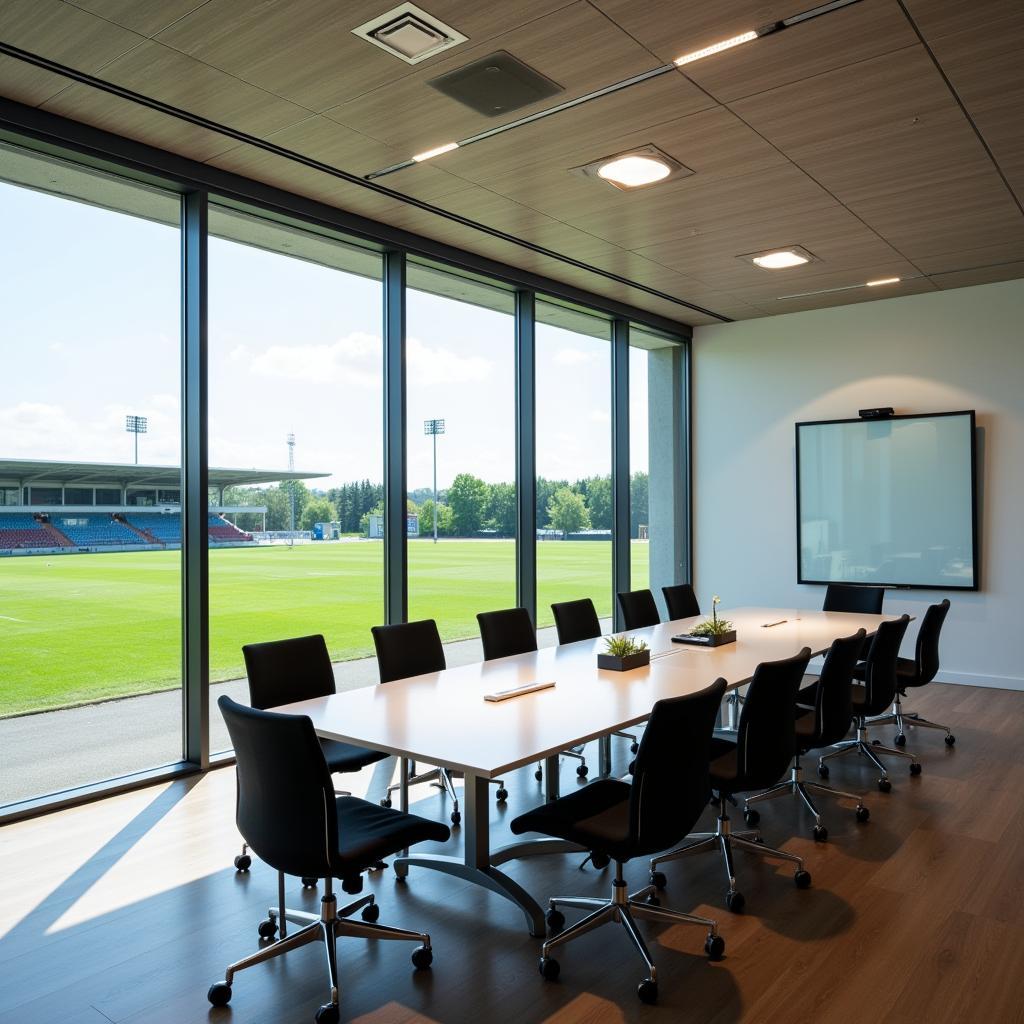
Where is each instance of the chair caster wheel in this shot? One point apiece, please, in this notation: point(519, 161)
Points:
point(735, 902)
point(862, 813)
point(219, 994)
point(328, 1014)
point(900, 740)
point(583, 771)
point(884, 786)
point(647, 991)
point(652, 900)
point(820, 834)
point(915, 768)
point(950, 740)
point(876, 743)
point(823, 771)
point(538, 775)
point(802, 879)
point(555, 921)
point(386, 802)
point(422, 957)
point(371, 912)
point(600, 861)
point(634, 747)
point(502, 795)
point(242, 863)
point(714, 946)
point(268, 928)
point(658, 879)
point(752, 818)
point(379, 865)
point(456, 817)
point(309, 882)
point(549, 968)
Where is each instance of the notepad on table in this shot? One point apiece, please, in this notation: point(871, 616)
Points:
point(517, 691)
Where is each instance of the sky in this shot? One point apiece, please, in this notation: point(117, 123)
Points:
point(90, 332)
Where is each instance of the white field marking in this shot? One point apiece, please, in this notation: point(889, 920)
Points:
point(10, 618)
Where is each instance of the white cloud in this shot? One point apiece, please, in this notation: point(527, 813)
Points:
point(321, 363)
point(428, 365)
point(572, 357)
point(600, 416)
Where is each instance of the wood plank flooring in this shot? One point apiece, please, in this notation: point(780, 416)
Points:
point(127, 909)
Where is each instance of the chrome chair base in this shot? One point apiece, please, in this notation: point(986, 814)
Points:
point(723, 840)
point(327, 927)
point(621, 909)
point(795, 786)
point(866, 748)
point(901, 719)
point(443, 779)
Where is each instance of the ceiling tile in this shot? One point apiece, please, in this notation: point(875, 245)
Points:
point(575, 47)
point(146, 17)
point(980, 275)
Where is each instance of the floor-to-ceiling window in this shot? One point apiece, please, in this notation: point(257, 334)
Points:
point(295, 446)
point(90, 429)
point(460, 353)
point(574, 460)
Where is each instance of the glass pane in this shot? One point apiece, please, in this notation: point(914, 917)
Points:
point(657, 468)
point(90, 595)
point(574, 460)
point(461, 407)
point(295, 447)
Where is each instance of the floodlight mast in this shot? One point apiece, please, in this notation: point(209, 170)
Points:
point(291, 490)
point(432, 428)
point(136, 425)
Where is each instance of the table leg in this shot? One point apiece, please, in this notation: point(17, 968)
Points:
point(604, 756)
point(551, 770)
point(476, 864)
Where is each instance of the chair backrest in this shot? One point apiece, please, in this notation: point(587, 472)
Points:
point(408, 649)
point(639, 609)
point(286, 810)
point(507, 632)
point(833, 705)
point(670, 772)
point(880, 665)
point(841, 597)
point(681, 601)
point(284, 671)
point(927, 653)
point(576, 620)
point(766, 738)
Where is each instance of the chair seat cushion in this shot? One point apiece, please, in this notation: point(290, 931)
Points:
point(596, 816)
point(808, 692)
point(858, 697)
point(367, 832)
point(722, 764)
point(344, 757)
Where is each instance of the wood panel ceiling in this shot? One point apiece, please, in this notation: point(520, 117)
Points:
point(884, 137)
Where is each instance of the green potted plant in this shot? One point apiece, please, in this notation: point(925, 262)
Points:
point(623, 653)
point(711, 632)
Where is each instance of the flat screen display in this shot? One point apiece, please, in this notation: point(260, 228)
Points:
point(888, 502)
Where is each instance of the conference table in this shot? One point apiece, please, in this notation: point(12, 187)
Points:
point(443, 719)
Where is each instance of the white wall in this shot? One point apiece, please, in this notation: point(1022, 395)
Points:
point(959, 349)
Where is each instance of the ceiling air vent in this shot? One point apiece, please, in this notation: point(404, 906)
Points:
point(496, 84)
point(409, 33)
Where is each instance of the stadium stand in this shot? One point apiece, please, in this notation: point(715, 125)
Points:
point(163, 527)
point(95, 530)
point(21, 530)
point(221, 530)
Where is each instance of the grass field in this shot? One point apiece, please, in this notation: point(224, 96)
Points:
point(77, 628)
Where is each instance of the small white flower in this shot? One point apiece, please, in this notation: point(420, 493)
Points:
point(716, 600)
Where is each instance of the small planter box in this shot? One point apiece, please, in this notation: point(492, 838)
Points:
point(631, 661)
point(706, 641)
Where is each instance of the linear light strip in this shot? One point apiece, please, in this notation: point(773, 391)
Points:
point(626, 83)
point(852, 287)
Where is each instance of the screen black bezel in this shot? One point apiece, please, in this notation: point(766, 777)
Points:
point(975, 567)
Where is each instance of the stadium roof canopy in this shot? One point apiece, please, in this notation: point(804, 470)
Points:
point(30, 471)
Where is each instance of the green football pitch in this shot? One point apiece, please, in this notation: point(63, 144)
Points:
point(78, 628)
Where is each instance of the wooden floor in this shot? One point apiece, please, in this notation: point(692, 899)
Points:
point(126, 910)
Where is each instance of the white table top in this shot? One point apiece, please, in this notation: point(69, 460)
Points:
point(443, 719)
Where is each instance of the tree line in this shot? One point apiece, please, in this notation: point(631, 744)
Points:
point(468, 508)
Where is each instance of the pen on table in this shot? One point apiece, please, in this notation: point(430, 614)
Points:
point(768, 625)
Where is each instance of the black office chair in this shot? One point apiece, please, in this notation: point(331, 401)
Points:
point(621, 821)
point(506, 633)
point(638, 609)
point(413, 649)
point(919, 671)
point(827, 722)
point(576, 620)
point(874, 697)
point(286, 671)
point(841, 597)
point(758, 758)
point(681, 601)
point(291, 818)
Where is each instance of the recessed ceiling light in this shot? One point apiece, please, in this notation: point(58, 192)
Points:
point(780, 260)
point(707, 51)
point(634, 171)
point(882, 280)
point(637, 168)
point(436, 151)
